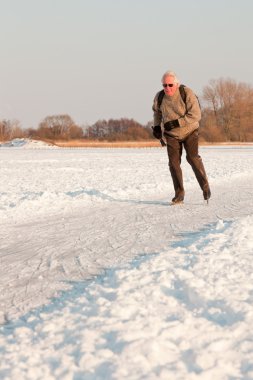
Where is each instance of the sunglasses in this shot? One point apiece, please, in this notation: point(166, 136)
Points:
point(168, 85)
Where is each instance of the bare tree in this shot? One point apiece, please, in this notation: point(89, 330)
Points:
point(3, 130)
point(10, 129)
point(118, 129)
point(231, 106)
point(59, 127)
point(211, 97)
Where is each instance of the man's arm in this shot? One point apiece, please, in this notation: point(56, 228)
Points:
point(157, 116)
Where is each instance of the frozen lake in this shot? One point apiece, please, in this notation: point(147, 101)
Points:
point(101, 278)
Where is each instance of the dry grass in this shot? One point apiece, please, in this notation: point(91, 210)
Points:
point(107, 144)
point(128, 144)
point(227, 143)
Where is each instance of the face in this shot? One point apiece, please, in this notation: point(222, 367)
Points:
point(169, 90)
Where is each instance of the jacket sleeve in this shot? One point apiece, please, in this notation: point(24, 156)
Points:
point(193, 112)
point(157, 116)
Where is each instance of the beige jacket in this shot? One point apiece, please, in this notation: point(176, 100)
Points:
point(173, 107)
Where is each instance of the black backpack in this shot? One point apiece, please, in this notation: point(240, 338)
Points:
point(182, 93)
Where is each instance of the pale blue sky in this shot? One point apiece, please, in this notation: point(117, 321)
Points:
point(101, 59)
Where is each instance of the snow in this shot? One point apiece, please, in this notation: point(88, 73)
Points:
point(101, 278)
point(26, 143)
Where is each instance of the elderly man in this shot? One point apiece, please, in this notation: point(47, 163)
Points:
point(177, 108)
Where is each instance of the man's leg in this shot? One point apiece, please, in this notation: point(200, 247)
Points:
point(191, 145)
point(174, 148)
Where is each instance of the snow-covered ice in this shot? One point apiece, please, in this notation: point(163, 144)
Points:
point(102, 279)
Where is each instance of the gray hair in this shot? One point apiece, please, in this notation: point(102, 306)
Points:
point(171, 74)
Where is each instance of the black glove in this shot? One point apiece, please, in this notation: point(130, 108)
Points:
point(171, 124)
point(157, 132)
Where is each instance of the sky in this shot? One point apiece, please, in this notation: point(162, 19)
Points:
point(101, 59)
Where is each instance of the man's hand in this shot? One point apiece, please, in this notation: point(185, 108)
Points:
point(157, 132)
point(171, 124)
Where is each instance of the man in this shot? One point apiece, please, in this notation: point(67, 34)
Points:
point(180, 117)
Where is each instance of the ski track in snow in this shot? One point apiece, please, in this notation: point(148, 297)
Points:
point(173, 285)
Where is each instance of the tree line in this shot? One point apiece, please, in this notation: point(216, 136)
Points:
point(227, 115)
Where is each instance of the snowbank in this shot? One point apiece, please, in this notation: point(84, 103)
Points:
point(26, 144)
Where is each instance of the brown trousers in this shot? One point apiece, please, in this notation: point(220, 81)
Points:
point(175, 149)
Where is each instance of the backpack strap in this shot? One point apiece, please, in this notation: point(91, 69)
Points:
point(182, 92)
point(160, 98)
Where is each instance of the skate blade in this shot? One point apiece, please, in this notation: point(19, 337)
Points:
point(176, 203)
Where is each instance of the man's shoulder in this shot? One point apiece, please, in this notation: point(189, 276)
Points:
point(189, 93)
point(159, 93)
point(187, 89)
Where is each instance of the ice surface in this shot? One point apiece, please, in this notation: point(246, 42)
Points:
point(101, 279)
